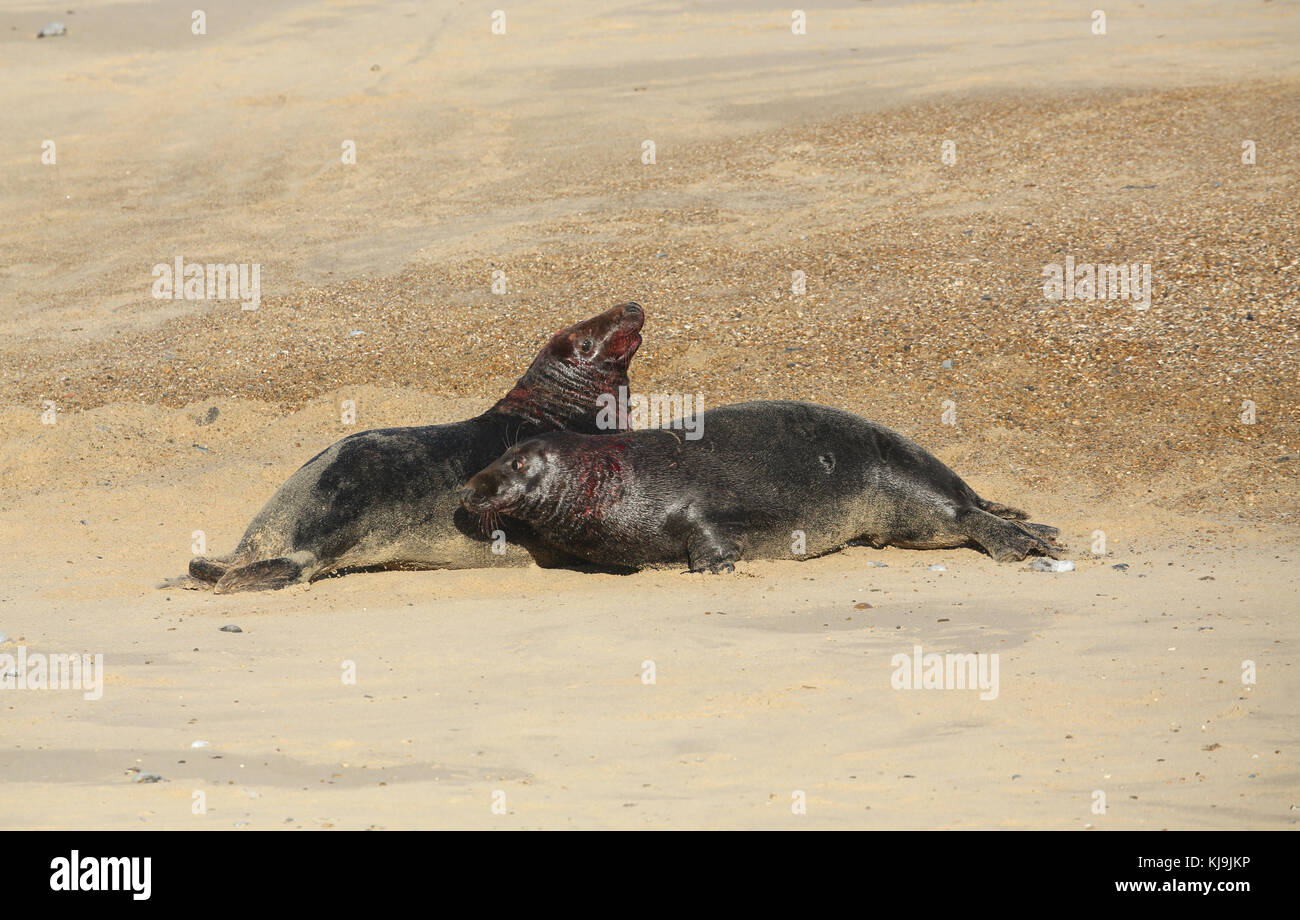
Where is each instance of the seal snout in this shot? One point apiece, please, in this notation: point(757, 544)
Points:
point(632, 320)
point(488, 490)
point(476, 496)
point(625, 335)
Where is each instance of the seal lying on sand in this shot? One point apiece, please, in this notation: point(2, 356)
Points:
point(761, 473)
point(390, 497)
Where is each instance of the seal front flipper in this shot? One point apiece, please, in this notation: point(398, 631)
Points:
point(1007, 540)
point(708, 549)
point(270, 574)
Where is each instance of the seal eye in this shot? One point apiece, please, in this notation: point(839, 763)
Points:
point(586, 346)
point(516, 464)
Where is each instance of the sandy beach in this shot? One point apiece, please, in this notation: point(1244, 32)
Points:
point(862, 216)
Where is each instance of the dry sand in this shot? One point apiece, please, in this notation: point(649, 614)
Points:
point(819, 153)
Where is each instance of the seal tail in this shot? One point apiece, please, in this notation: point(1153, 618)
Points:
point(269, 574)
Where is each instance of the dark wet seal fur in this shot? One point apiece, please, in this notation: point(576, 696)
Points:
point(762, 471)
point(390, 498)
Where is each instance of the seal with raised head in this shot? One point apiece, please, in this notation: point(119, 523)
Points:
point(389, 498)
point(773, 480)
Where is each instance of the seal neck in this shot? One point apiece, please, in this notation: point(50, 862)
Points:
point(581, 498)
point(554, 395)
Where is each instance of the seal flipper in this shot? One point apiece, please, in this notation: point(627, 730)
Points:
point(209, 569)
point(1002, 511)
point(1006, 540)
point(270, 574)
point(1046, 531)
point(708, 549)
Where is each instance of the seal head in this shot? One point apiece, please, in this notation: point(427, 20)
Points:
point(522, 475)
point(571, 484)
point(578, 365)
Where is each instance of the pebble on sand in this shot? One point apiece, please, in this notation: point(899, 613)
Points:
point(52, 29)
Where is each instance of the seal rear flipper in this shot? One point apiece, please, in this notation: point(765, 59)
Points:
point(209, 570)
point(270, 574)
point(1002, 511)
point(1046, 531)
point(1008, 541)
